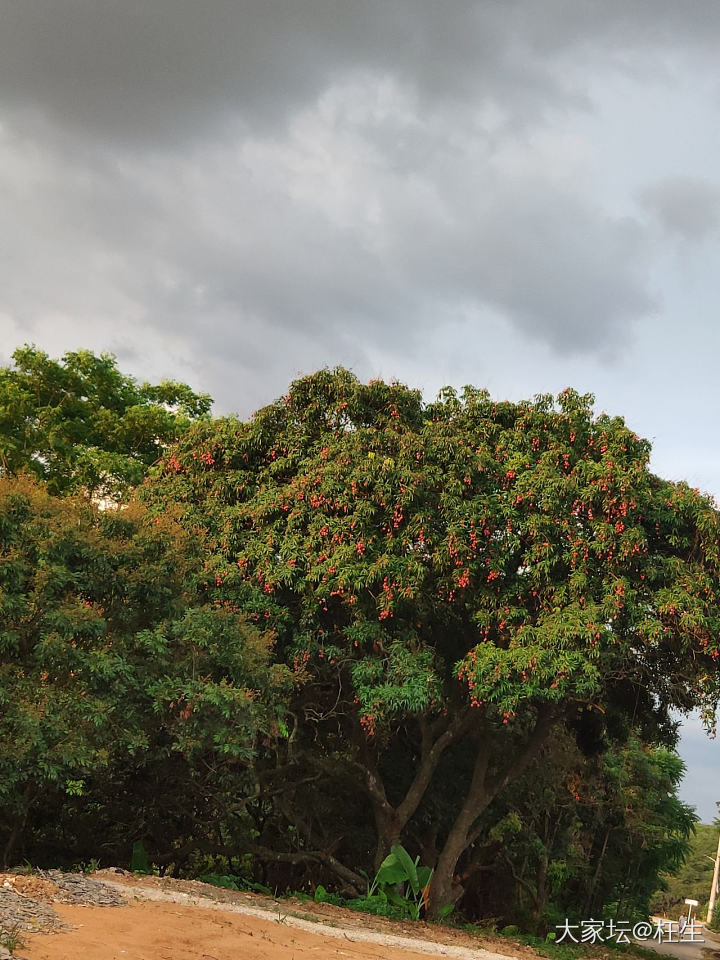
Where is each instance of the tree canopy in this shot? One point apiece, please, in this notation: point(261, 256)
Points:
point(79, 424)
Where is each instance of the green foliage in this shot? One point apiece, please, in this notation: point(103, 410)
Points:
point(230, 881)
point(585, 836)
point(399, 889)
point(546, 946)
point(108, 663)
point(75, 587)
point(139, 862)
point(382, 904)
point(462, 560)
point(12, 938)
point(74, 788)
point(87, 866)
point(81, 425)
point(225, 881)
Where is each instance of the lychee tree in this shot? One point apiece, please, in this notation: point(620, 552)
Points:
point(457, 572)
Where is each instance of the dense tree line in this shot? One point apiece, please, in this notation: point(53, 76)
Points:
point(354, 620)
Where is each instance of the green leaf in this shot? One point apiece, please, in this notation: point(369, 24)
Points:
point(408, 865)
point(392, 870)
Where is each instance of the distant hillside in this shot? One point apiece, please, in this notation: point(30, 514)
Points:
point(695, 878)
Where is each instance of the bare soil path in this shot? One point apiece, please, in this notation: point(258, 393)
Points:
point(164, 919)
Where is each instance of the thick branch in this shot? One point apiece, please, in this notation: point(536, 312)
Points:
point(532, 748)
point(530, 751)
point(354, 881)
point(431, 754)
point(477, 864)
point(376, 789)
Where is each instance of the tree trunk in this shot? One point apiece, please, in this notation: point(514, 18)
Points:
point(12, 840)
point(389, 830)
point(587, 909)
point(540, 890)
point(444, 888)
point(17, 827)
point(390, 821)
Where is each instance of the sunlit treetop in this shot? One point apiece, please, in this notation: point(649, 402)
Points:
point(81, 425)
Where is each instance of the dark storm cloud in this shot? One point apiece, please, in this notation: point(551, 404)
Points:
point(152, 69)
point(176, 68)
point(326, 177)
point(340, 233)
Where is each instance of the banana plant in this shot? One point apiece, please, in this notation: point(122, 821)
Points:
point(402, 881)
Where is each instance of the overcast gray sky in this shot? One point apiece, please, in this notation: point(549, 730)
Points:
point(519, 194)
